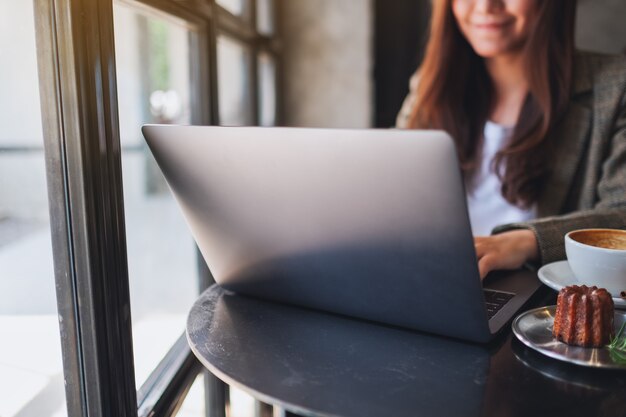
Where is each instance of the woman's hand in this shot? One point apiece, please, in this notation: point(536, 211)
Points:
point(509, 250)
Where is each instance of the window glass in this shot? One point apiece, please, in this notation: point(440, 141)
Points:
point(241, 403)
point(193, 404)
point(265, 16)
point(31, 369)
point(153, 77)
point(236, 7)
point(235, 103)
point(267, 90)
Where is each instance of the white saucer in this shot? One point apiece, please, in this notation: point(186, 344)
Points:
point(558, 275)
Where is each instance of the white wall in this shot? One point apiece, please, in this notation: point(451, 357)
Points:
point(328, 62)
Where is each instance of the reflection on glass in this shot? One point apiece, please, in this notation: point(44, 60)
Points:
point(233, 61)
point(265, 16)
point(236, 7)
point(267, 90)
point(152, 57)
point(31, 370)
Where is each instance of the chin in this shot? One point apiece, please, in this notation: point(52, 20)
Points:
point(488, 53)
point(491, 50)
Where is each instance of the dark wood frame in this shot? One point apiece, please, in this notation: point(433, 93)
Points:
point(78, 88)
point(401, 31)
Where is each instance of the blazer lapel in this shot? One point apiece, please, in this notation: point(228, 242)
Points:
point(570, 142)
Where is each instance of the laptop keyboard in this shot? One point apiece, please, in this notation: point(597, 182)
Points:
point(495, 300)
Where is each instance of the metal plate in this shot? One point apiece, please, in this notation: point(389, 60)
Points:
point(534, 329)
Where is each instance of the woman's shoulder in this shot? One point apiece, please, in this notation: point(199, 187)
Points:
point(600, 72)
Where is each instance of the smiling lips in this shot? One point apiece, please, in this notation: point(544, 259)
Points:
point(492, 25)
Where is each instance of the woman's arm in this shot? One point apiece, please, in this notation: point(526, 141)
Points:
point(550, 231)
point(609, 212)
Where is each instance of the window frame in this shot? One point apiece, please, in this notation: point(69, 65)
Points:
point(78, 88)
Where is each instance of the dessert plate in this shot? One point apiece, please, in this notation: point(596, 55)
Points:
point(534, 329)
point(557, 275)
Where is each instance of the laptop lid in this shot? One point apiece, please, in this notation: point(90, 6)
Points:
point(367, 223)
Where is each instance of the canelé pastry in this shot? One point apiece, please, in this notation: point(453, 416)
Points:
point(584, 316)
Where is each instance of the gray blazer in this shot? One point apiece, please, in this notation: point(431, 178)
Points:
point(588, 186)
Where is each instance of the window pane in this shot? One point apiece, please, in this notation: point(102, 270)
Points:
point(153, 58)
point(236, 7)
point(267, 90)
point(31, 369)
point(241, 403)
point(193, 405)
point(265, 16)
point(235, 102)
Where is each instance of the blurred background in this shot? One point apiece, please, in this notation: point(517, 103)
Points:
point(331, 63)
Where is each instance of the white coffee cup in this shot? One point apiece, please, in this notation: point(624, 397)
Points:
point(598, 257)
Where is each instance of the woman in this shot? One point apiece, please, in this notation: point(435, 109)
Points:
point(540, 128)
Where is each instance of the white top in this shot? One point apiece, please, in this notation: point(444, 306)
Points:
point(487, 208)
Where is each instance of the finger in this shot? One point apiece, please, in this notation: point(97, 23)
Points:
point(481, 249)
point(485, 265)
point(479, 239)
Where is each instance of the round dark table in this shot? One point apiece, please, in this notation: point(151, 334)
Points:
point(317, 364)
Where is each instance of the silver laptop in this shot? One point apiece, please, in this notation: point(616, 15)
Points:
point(371, 224)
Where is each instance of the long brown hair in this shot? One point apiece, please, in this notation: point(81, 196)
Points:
point(455, 93)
